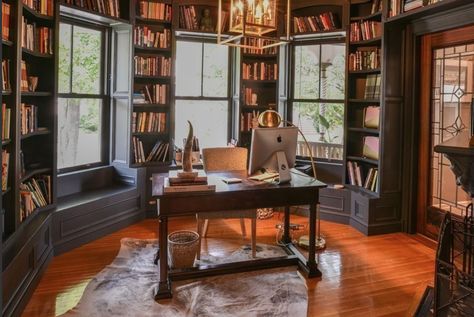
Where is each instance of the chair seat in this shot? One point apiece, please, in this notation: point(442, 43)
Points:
point(250, 213)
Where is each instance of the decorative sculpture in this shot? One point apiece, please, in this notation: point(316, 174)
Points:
point(188, 151)
point(206, 21)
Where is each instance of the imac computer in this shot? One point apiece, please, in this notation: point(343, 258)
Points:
point(273, 150)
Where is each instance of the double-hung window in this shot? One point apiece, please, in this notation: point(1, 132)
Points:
point(82, 98)
point(317, 100)
point(202, 92)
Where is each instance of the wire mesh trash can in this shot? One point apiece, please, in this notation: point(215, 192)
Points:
point(182, 248)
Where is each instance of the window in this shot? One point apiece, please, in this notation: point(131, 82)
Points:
point(82, 99)
point(202, 92)
point(317, 105)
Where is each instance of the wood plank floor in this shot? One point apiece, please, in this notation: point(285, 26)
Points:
point(362, 276)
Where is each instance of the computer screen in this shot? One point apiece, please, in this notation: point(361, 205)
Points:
point(266, 142)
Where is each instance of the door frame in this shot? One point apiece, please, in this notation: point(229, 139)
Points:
point(428, 43)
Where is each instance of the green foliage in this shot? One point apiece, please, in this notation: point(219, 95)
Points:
point(89, 122)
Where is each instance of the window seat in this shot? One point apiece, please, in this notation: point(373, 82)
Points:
point(94, 203)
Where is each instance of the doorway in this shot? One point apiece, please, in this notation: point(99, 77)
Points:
point(446, 94)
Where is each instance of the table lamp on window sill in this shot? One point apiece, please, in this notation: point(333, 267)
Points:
point(272, 119)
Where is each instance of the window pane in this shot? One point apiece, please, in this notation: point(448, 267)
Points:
point(215, 70)
point(333, 59)
point(188, 68)
point(87, 44)
point(306, 83)
point(322, 125)
point(79, 131)
point(64, 71)
point(209, 119)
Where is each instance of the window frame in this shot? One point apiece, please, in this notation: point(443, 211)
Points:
point(228, 98)
point(103, 95)
point(291, 86)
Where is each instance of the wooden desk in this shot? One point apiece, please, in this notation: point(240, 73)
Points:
point(303, 190)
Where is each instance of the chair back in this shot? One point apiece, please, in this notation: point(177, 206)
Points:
point(224, 159)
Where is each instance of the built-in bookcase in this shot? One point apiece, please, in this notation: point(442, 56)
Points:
point(28, 108)
point(364, 82)
point(152, 84)
point(109, 10)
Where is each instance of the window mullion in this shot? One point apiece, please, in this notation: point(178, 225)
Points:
point(71, 58)
point(202, 70)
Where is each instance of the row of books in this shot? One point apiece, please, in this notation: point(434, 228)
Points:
point(372, 86)
point(107, 7)
point(5, 21)
point(6, 74)
point(412, 4)
point(260, 71)
point(29, 118)
point(376, 6)
point(34, 193)
point(249, 120)
point(6, 119)
point(365, 58)
point(45, 7)
point(188, 19)
point(323, 22)
point(155, 10)
point(152, 66)
point(255, 42)
point(395, 7)
point(36, 38)
point(355, 175)
point(145, 37)
point(159, 152)
point(5, 166)
point(157, 94)
point(148, 122)
point(365, 30)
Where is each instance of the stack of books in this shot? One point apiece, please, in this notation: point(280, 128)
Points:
point(260, 71)
point(23, 77)
point(249, 120)
point(34, 193)
point(107, 7)
point(148, 122)
point(372, 86)
point(28, 118)
point(6, 75)
point(179, 182)
point(365, 30)
point(5, 21)
point(365, 58)
point(145, 37)
point(327, 21)
point(155, 10)
point(251, 41)
point(354, 171)
point(5, 166)
point(36, 38)
point(6, 115)
point(157, 94)
point(45, 7)
point(188, 18)
point(152, 66)
point(159, 152)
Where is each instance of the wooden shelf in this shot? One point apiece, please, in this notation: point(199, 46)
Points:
point(146, 21)
point(363, 100)
point(365, 71)
point(149, 164)
point(6, 92)
point(154, 78)
point(296, 34)
point(364, 130)
point(35, 54)
point(36, 94)
point(152, 49)
point(373, 41)
point(6, 142)
point(363, 160)
point(7, 42)
point(362, 190)
point(256, 81)
point(30, 13)
point(157, 134)
point(32, 134)
point(373, 16)
point(151, 105)
point(267, 56)
point(34, 172)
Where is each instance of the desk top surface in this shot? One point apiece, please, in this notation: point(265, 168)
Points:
point(298, 180)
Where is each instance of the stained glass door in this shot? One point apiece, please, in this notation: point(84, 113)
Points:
point(452, 93)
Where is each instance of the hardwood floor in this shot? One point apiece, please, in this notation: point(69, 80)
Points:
point(362, 276)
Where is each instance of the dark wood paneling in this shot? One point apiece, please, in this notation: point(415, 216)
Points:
point(87, 180)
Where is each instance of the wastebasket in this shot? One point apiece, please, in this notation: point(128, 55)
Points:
point(182, 248)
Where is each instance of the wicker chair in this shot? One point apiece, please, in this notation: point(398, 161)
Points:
point(219, 160)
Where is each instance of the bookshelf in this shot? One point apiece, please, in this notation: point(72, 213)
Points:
point(259, 71)
point(152, 84)
point(109, 10)
point(364, 81)
point(197, 16)
point(309, 18)
point(28, 107)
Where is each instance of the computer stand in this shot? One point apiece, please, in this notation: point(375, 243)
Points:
point(283, 169)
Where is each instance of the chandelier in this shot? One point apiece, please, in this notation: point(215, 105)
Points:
point(252, 19)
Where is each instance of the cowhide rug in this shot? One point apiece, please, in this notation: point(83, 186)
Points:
point(126, 288)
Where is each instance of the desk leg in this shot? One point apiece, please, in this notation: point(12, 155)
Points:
point(311, 264)
point(164, 286)
point(286, 226)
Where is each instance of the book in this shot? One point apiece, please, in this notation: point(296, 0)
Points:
point(258, 42)
point(6, 75)
point(145, 37)
point(148, 122)
point(370, 148)
point(376, 6)
point(45, 7)
point(106, 7)
point(365, 58)
point(35, 38)
point(372, 86)
point(152, 66)
point(5, 21)
point(5, 168)
point(326, 21)
point(28, 118)
point(155, 10)
point(372, 117)
point(158, 153)
point(6, 118)
point(394, 8)
point(34, 193)
point(188, 18)
point(167, 188)
point(365, 30)
point(260, 71)
point(23, 76)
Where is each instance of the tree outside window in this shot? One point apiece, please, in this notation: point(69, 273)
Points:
point(81, 97)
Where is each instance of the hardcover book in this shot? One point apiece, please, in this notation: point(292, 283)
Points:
point(371, 147)
point(372, 117)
